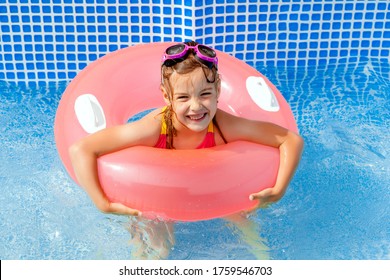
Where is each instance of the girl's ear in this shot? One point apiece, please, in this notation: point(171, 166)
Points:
point(165, 95)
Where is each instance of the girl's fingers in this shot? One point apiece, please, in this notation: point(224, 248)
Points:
point(260, 195)
point(122, 209)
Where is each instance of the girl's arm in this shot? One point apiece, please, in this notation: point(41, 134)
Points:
point(290, 146)
point(84, 154)
point(290, 150)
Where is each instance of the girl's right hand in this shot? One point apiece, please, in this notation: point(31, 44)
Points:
point(85, 152)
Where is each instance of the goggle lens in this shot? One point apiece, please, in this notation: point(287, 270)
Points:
point(176, 49)
point(207, 51)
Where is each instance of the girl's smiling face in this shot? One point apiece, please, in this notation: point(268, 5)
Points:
point(194, 100)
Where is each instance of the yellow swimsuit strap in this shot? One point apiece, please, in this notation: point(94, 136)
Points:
point(163, 123)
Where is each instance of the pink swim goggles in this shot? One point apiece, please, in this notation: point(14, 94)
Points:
point(177, 53)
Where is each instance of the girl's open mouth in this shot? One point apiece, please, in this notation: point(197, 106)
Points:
point(198, 117)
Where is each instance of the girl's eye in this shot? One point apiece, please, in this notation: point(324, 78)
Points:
point(182, 97)
point(206, 94)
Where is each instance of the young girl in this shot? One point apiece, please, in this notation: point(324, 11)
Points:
point(190, 86)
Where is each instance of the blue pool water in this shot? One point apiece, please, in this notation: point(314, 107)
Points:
point(337, 206)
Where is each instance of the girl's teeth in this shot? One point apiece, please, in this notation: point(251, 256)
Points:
point(197, 117)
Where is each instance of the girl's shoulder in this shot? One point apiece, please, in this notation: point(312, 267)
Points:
point(226, 119)
point(227, 125)
point(147, 129)
point(236, 128)
point(151, 120)
point(154, 115)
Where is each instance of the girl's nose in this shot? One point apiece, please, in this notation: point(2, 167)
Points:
point(195, 105)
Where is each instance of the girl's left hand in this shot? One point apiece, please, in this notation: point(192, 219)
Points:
point(265, 197)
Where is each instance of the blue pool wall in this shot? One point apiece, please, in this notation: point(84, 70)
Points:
point(52, 40)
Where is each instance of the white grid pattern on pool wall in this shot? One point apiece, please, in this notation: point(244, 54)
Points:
point(55, 39)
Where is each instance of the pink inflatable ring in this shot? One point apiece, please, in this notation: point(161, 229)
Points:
point(183, 185)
